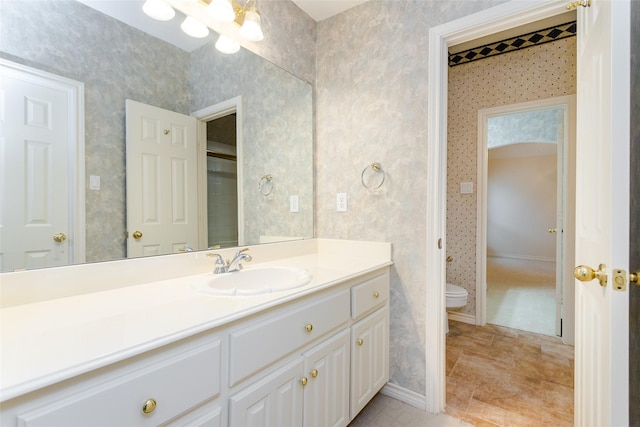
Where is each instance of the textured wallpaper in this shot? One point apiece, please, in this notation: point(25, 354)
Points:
point(537, 72)
point(371, 105)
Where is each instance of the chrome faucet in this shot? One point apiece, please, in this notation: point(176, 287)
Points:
point(230, 266)
point(235, 265)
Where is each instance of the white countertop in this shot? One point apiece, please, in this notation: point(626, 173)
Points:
point(49, 341)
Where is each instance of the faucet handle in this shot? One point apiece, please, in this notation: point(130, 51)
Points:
point(221, 266)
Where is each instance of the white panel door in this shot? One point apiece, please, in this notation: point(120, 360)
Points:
point(274, 401)
point(162, 198)
point(326, 396)
point(37, 141)
point(602, 213)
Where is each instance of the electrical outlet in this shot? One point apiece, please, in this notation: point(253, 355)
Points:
point(341, 202)
point(293, 204)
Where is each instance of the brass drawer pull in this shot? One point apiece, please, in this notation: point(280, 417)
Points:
point(314, 373)
point(376, 294)
point(360, 341)
point(309, 327)
point(303, 381)
point(149, 406)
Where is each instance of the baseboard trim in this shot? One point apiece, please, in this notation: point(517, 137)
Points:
point(462, 317)
point(521, 257)
point(404, 395)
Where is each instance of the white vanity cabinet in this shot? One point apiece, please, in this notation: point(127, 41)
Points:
point(369, 340)
point(312, 361)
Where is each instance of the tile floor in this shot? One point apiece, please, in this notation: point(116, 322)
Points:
point(384, 411)
point(498, 376)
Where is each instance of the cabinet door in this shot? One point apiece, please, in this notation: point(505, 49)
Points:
point(276, 400)
point(369, 358)
point(326, 396)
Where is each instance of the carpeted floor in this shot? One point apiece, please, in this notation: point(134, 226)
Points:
point(521, 294)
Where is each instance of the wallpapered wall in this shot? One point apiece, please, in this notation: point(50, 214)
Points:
point(371, 86)
point(539, 72)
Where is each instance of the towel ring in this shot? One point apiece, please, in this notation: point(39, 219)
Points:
point(372, 176)
point(265, 185)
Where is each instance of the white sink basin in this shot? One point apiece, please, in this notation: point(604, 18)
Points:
point(253, 281)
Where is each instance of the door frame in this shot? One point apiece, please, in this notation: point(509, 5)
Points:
point(480, 24)
point(75, 148)
point(212, 112)
point(565, 295)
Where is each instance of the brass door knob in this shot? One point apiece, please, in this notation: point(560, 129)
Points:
point(60, 237)
point(586, 274)
point(137, 235)
point(149, 406)
point(633, 278)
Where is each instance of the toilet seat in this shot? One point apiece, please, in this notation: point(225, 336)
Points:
point(456, 291)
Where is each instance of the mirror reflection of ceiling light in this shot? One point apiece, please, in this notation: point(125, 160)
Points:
point(226, 45)
point(158, 9)
point(245, 16)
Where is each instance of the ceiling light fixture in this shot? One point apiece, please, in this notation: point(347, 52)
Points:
point(243, 13)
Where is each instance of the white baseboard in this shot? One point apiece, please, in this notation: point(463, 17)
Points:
point(407, 396)
point(521, 257)
point(462, 317)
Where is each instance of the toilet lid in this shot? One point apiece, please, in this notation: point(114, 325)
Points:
point(455, 290)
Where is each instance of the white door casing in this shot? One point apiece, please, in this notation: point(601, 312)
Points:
point(602, 213)
point(162, 196)
point(616, 33)
point(42, 159)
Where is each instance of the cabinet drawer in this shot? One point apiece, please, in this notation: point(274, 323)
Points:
point(266, 341)
point(175, 384)
point(369, 295)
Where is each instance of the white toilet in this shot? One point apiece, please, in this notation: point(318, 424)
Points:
point(456, 298)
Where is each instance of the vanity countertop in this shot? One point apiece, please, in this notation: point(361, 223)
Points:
point(49, 341)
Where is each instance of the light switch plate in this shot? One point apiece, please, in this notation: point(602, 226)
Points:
point(466, 188)
point(94, 182)
point(341, 202)
point(293, 203)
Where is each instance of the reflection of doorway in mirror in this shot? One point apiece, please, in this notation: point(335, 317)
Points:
point(41, 144)
point(222, 182)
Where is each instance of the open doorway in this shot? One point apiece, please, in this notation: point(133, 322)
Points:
point(525, 165)
point(222, 182)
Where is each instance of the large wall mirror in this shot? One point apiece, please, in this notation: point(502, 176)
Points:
point(115, 63)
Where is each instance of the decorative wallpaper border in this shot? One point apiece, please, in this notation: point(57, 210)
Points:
point(520, 42)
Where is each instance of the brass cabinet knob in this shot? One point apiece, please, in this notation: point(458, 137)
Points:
point(137, 234)
point(376, 294)
point(586, 274)
point(553, 230)
point(314, 373)
point(309, 327)
point(149, 406)
point(303, 381)
point(360, 341)
point(60, 237)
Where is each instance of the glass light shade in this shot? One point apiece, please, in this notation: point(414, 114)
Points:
point(194, 28)
point(226, 45)
point(158, 9)
point(221, 10)
point(251, 29)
